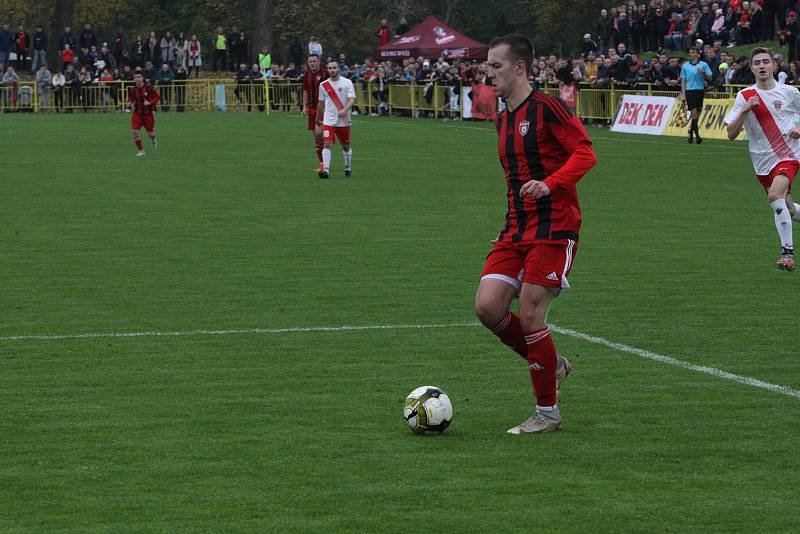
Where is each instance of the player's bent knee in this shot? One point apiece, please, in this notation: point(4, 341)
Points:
point(532, 318)
point(492, 301)
point(776, 193)
point(533, 304)
point(490, 312)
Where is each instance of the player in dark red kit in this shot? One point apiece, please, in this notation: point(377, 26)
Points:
point(312, 77)
point(142, 100)
point(544, 151)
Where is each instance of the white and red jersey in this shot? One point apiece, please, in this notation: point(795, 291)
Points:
point(768, 125)
point(334, 95)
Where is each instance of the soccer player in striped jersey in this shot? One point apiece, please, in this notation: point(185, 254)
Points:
point(544, 151)
point(767, 111)
point(336, 96)
point(142, 100)
point(310, 81)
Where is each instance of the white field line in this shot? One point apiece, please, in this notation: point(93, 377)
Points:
point(783, 390)
point(240, 331)
point(775, 388)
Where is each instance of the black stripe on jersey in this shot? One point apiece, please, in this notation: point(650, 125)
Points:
point(543, 205)
point(564, 234)
point(535, 116)
point(559, 113)
point(313, 88)
point(507, 227)
point(519, 201)
point(544, 209)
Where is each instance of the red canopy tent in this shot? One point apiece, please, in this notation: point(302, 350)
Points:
point(432, 39)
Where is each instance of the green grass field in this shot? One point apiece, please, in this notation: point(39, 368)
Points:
point(192, 426)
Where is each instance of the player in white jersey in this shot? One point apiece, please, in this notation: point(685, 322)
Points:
point(337, 96)
point(767, 111)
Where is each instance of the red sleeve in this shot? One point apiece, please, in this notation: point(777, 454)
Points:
point(154, 98)
point(572, 136)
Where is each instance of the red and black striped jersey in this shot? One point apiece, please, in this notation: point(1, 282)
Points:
point(310, 83)
point(137, 97)
point(542, 140)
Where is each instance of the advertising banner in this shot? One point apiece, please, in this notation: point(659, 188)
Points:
point(643, 114)
point(712, 120)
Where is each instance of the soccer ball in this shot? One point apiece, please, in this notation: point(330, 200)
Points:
point(427, 409)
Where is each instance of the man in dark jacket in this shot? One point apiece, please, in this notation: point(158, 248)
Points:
point(39, 48)
point(589, 45)
point(603, 29)
point(704, 24)
point(87, 39)
point(623, 30)
point(6, 43)
point(67, 39)
point(119, 47)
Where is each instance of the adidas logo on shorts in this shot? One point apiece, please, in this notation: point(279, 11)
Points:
point(552, 276)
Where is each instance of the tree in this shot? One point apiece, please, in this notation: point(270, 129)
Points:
point(561, 23)
point(62, 16)
point(262, 24)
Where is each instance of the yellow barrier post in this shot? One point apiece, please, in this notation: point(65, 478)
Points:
point(413, 88)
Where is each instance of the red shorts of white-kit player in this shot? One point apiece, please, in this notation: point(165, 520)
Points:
point(787, 168)
point(138, 120)
point(544, 263)
point(331, 133)
point(312, 119)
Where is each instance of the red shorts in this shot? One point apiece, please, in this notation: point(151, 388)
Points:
point(542, 263)
point(341, 132)
point(787, 168)
point(312, 119)
point(138, 120)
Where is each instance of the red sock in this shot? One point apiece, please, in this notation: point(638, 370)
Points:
point(138, 143)
point(510, 333)
point(542, 362)
point(319, 150)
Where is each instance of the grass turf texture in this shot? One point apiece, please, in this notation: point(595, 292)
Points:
point(226, 226)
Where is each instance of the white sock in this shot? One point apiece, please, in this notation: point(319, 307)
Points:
point(783, 222)
point(326, 158)
point(348, 157)
point(547, 408)
point(796, 215)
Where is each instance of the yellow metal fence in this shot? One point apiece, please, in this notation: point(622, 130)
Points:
point(286, 95)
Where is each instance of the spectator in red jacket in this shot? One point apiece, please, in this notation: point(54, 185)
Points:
point(383, 33)
point(67, 55)
point(23, 41)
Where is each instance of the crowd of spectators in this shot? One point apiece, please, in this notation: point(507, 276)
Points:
point(613, 56)
point(85, 61)
point(677, 24)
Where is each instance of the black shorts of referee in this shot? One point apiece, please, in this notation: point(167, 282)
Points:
point(694, 99)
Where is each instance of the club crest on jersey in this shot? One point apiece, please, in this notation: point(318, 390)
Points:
point(523, 127)
point(777, 104)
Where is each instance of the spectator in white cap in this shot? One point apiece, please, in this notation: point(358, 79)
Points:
point(589, 45)
point(781, 72)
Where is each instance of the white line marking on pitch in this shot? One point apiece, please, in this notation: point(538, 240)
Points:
point(783, 390)
point(240, 331)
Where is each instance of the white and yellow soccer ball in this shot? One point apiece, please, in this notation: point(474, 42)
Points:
point(428, 409)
